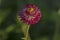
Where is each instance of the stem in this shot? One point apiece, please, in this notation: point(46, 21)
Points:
point(56, 32)
point(56, 35)
point(27, 33)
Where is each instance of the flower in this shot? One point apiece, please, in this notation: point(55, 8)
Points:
point(30, 14)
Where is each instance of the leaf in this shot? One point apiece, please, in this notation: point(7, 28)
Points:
point(10, 28)
point(4, 14)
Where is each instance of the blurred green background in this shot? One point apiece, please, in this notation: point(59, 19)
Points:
point(47, 29)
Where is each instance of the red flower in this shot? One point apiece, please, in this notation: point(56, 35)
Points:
point(30, 14)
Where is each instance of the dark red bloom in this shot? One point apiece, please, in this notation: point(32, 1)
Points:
point(30, 14)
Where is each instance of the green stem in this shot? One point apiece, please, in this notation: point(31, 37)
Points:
point(56, 35)
point(56, 32)
point(27, 33)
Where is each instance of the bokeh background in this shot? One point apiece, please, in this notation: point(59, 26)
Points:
point(47, 29)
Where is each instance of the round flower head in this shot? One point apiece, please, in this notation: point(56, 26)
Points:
point(30, 14)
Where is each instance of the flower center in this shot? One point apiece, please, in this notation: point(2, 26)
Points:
point(31, 10)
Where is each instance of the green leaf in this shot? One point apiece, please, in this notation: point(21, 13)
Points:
point(4, 14)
